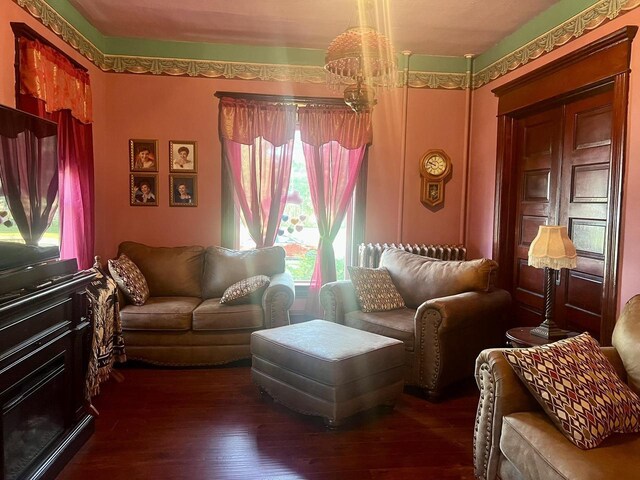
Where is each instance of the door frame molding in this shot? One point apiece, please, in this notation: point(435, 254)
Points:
point(605, 61)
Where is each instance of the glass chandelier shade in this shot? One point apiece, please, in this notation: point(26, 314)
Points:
point(361, 52)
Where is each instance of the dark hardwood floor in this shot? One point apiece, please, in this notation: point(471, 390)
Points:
point(212, 424)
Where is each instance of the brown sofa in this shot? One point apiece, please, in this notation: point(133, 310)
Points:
point(183, 322)
point(453, 314)
point(515, 440)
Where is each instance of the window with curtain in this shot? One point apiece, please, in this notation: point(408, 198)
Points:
point(53, 86)
point(298, 230)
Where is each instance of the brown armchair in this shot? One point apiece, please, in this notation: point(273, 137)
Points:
point(452, 314)
point(515, 440)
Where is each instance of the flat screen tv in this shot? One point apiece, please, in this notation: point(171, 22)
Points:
point(28, 190)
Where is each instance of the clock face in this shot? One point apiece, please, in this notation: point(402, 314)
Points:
point(435, 165)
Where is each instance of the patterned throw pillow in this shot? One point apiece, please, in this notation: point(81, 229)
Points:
point(249, 290)
point(375, 289)
point(578, 388)
point(129, 279)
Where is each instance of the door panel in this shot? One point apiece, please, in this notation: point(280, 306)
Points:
point(584, 206)
point(538, 143)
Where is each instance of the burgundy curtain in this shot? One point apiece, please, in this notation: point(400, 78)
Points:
point(53, 88)
point(257, 141)
point(29, 178)
point(334, 141)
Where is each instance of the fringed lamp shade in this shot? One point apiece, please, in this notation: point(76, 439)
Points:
point(552, 248)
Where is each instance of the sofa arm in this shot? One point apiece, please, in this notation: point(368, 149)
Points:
point(338, 298)
point(501, 393)
point(451, 332)
point(278, 299)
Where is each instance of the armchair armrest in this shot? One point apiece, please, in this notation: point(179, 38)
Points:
point(501, 393)
point(278, 299)
point(338, 298)
point(451, 332)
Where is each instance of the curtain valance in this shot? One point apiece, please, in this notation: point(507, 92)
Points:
point(48, 76)
point(320, 124)
point(243, 121)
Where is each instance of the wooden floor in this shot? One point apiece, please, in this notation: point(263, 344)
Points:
point(212, 424)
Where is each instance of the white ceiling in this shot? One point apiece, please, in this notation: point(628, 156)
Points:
point(431, 27)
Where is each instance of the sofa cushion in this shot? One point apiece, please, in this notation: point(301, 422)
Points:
point(224, 267)
point(375, 290)
point(160, 313)
point(398, 324)
point(578, 388)
point(537, 449)
point(420, 278)
point(248, 290)
point(170, 271)
point(129, 279)
point(212, 315)
point(626, 338)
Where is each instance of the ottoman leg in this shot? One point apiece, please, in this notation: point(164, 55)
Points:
point(332, 424)
point(264, 395)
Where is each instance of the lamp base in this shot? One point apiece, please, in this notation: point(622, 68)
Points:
point(551, 333)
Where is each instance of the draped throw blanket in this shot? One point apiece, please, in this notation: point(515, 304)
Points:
point(107, 346)
point(53, 87)
point(257, 142)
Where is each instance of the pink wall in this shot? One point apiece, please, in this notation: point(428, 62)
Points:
point(182, 108)
point(483, 159)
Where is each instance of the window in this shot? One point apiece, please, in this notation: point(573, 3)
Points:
point(298, 233)
point(9, 230)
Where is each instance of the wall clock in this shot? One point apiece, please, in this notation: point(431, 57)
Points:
point(435, 166)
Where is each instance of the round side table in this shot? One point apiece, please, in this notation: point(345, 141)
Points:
point(520, 337)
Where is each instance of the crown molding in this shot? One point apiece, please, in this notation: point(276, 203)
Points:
point(574, 27)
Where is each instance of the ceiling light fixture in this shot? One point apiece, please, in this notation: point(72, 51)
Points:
point(361, 58)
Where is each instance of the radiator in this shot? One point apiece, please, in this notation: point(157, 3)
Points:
point(369, 253)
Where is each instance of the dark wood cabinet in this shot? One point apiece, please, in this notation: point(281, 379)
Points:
point(44, 345)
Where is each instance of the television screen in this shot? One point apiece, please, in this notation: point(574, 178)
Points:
point(29, 226)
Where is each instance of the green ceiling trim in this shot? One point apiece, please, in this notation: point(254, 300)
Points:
point(138, 47)
point(61, 27)
point(75, 19)
point(540, 25)
point(298, 65)
point(574, 27)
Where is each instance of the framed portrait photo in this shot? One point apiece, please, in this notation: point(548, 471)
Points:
point(143, 155)
point(183, 190)
point(143, 190)
point(183, 156)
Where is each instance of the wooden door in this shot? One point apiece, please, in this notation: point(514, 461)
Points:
point(538, 144)
point(598, 73)
point(563, 168)
point(584, 206)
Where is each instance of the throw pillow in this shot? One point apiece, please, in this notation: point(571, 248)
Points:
point(578, 388)
point(375, 290)
point(129, 279)
point(249, 290)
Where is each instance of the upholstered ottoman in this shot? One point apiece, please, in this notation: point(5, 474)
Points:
point(326, 369)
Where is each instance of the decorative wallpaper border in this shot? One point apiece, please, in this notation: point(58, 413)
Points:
point(576, 26)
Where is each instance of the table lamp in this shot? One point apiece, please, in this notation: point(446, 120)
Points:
point(552, 249)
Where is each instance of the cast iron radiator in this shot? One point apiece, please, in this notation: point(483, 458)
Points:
point(369, 253)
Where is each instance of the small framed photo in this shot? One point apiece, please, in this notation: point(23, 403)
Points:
point(143, 155)
point(183, 190)
point(183, 156)
point(144, 189)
